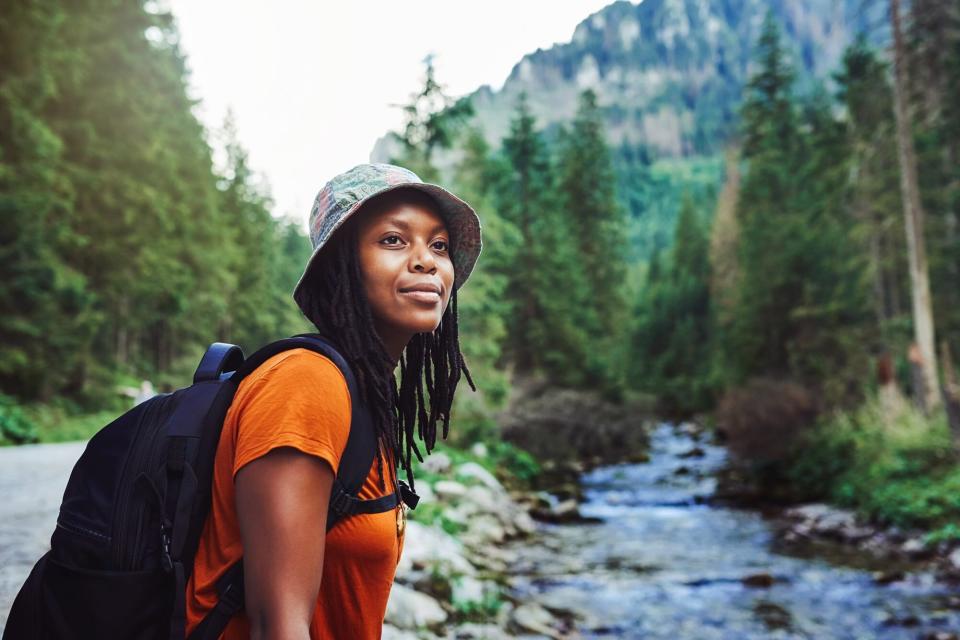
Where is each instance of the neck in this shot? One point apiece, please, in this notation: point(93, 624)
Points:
point(394, 341)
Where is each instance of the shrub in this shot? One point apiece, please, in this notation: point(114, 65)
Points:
point(896, 467)
point(764, 420)
point(15, 426)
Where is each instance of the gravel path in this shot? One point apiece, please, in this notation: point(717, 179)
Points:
point(32, 480)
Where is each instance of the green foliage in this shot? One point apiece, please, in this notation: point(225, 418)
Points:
point(672, 340)
point(432, 121)
point(15, 426)
point(122, 251)
point(483, 610)
point(801, 301)
point(526, 198)
point(588, 201)
point(893, 465)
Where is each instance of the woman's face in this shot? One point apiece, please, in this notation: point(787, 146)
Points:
point(406, 268)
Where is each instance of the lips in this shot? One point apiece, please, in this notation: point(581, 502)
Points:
point(426, 292)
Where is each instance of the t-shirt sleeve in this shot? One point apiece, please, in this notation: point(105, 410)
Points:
point(297, 399)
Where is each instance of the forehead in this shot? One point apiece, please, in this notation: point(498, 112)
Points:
point(421, 216)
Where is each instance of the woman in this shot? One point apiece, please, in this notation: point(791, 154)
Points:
point(389, 254)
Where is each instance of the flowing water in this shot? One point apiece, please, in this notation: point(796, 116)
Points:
point(661, 563)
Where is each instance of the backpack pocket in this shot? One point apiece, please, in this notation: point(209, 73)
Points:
point(63, 602)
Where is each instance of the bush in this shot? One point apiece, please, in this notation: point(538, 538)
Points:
point(895, 467)
point(764, 420)
point(15, 426)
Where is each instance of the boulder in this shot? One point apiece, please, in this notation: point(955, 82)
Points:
point(758, 580)
point(449, 489)
point(954, 559)
point(426, 493)
point(409, 609)
point(390, 632)
point(431, 547)
point(438, 462)
point(484, 529)
point(473, 471)
point(473, 631)
point(534, 618)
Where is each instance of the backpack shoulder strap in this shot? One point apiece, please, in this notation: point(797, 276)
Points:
point(361, 444)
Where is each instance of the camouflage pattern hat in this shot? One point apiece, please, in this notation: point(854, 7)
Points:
point(346, 193)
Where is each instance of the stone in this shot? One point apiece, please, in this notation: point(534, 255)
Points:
point(887, 577)
point(486, 501)
point(390, 632)
point(813, 511)
point(438, 462)
point(484, 529)
point(533, 617)
point(479, 449)
point(758, 580)
point(467, 589)
point(915, 548)
point(473, 631)
point(566, 511)
point(473, 471)
point(426, 493)
point(954, 559)
point(425, 546)
point(409, 609)
point(524, 523)
point(449, 489)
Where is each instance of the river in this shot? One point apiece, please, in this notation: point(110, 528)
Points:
point(661, 562)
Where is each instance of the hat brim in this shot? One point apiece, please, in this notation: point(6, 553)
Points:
point(461, 220)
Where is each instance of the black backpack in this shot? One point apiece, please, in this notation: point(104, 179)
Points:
point(135, 506)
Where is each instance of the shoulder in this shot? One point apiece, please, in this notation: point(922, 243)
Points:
point(297, 399)
point(297, 373)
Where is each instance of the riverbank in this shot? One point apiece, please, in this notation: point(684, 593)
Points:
point(882, 479)
point(455, 575)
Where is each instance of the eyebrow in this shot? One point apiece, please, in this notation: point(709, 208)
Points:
point(403, 224)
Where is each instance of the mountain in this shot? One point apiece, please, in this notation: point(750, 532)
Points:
point(668, 73)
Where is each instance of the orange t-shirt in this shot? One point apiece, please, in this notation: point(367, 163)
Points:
point(299, 399)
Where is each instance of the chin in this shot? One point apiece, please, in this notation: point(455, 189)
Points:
point(424, 325)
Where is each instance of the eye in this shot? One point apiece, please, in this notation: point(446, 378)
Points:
point(441, 245)
point(389, 240)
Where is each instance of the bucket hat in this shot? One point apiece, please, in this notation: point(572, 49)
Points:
point(346, 193)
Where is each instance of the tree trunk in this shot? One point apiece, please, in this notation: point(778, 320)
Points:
point(913, 215)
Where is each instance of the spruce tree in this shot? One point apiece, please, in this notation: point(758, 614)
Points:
point(587, 191)
point(546, 291)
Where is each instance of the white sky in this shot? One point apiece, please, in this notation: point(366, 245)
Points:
point(311, 84)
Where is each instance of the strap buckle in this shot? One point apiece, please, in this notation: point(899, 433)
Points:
point(408, 496)
point(341, 501)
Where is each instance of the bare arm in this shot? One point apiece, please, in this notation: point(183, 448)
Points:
point(282, 500)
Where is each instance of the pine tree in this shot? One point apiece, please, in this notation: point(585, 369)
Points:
point(673, 339)
point(432, 121)
point(588, 198)
point(546, 290)
point(769, 284)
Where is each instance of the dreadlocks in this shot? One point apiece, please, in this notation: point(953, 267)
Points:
point(430, 367)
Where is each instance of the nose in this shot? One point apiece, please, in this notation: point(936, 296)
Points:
point(422, 259)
